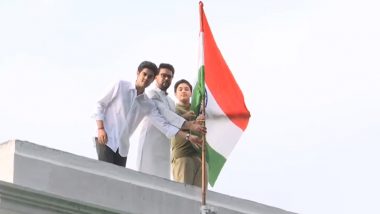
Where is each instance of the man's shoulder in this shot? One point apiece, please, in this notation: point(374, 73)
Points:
point(152, 93)
point(124, 84)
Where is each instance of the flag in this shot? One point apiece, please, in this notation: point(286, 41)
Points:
point(226, 113)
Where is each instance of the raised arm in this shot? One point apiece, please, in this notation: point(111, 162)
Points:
point(170, 130)
point(173, 118)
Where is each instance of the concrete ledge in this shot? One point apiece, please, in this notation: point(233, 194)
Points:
point(17, 199)
point(95, 182)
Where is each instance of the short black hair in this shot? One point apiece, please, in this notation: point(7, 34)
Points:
point(167, 66)
point(148, 65)
point(180, 82)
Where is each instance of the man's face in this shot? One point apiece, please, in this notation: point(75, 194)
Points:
point(164, 79)
point(183, 93)
point(144, 78)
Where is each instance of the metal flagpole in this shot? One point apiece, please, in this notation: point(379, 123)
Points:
point(204, 208)
point(204, 177)
point(204, 181)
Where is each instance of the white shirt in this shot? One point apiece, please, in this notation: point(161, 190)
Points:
point(122, 110)
point(154, 147)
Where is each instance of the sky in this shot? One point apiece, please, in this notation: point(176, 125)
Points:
point(309, 71)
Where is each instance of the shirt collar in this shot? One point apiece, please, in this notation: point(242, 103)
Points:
point(159, 90)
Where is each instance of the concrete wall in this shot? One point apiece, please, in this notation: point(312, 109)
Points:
point(97, 183)
point(15, 199)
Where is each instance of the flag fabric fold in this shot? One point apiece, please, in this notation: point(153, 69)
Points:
point(226, 113)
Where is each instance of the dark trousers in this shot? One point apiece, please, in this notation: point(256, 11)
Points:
point(106, 154)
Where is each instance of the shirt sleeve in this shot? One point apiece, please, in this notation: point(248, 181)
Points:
point(162, 124)
point(173, 118)
point(104, 101)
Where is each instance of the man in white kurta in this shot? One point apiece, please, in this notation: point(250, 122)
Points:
point(154, 146)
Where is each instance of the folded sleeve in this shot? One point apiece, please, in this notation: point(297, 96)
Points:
point(104, 101)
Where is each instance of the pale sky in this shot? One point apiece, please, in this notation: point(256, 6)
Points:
point(309, 71)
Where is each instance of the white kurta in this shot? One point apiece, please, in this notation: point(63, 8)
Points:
point(154, 147)
point(122, 110)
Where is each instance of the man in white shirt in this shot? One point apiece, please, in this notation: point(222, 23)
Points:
point(121, 109)
point(154, 147)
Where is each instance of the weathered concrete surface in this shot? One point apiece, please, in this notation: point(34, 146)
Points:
point(15, 199)
point(98, 183)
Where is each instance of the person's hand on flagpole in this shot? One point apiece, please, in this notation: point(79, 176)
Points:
point(196, 127)
point(200, 119)
point(190, 115)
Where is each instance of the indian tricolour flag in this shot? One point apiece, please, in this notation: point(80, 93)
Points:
point(226, 114)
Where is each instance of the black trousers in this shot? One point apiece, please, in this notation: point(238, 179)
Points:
point(106, 154)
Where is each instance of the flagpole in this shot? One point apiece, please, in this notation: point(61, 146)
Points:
point(204, 179)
